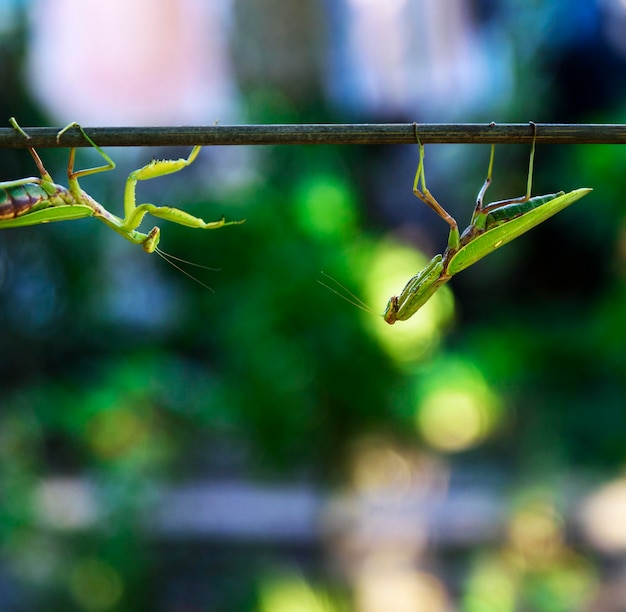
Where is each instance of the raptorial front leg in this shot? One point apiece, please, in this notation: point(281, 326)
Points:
point(134, 213)
point(175, 215)
point(155, 169)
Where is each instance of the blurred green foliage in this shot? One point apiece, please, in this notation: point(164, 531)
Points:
point(118, 369)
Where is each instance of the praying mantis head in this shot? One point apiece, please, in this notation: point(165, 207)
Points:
point(151, 241)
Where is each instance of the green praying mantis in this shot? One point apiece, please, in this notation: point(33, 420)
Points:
point(33, 200)
point(491, 226)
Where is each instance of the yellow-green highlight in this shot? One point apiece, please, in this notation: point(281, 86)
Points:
point(456, 409)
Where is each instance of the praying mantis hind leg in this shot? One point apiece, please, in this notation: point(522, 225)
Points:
point(45, 175)
point(425, 196)
point(74, 175)
point(529, 182)
point(480, 209)
point(483, 189)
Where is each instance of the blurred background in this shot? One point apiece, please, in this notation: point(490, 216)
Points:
point(266, 445)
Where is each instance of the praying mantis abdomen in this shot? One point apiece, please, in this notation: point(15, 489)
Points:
point(17, 200)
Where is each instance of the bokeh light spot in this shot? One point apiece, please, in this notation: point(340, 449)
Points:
point(604, 517)
point(401, 589)
point(289, 591)
point(113, 433)
point(492, 586)
point(536, 532)
point(325, 207)
point(457, 410)
point(96, 585)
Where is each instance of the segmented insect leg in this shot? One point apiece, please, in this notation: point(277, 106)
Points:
point(425, 196)
point(529, 182)
point(74, 175)
point(44, 173)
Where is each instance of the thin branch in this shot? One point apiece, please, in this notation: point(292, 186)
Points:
point(350, 134)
